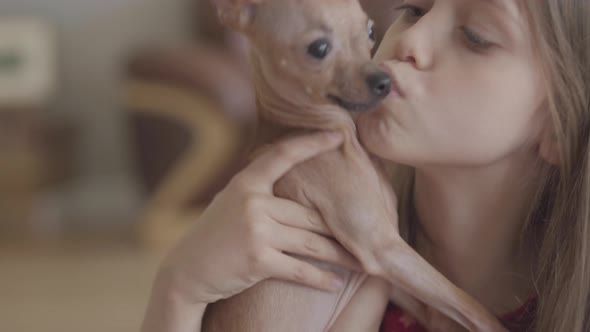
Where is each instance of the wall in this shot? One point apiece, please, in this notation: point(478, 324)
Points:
point(95, 37)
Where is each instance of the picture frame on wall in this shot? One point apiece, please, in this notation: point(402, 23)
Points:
point(28, 62)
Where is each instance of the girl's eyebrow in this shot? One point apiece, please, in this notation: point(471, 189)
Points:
point(507, 6)
point(512, 11)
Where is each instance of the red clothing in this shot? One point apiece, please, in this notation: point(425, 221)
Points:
point(395, 320)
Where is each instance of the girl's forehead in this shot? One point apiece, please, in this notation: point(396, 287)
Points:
point(512, 8)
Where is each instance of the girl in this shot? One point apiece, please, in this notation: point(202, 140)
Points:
point(490, 123)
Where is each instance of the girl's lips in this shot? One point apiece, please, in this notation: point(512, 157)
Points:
point(395, 87)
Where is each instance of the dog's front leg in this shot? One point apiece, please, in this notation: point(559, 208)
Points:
point(359, 207)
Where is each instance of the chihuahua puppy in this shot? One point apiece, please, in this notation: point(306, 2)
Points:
point(312, 68)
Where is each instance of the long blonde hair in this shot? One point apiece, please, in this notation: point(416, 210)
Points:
point(559, 219)
point(561, 34)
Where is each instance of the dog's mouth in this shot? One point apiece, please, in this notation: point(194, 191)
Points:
point(355, 107)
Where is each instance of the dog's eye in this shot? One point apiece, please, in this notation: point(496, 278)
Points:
point(371, 28)
point(320, 48)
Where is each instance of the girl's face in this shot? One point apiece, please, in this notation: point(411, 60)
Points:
point(470, 91)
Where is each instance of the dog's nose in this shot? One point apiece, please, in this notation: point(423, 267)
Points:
point(379, 83)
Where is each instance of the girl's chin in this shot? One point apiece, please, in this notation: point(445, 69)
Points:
point(375, 132)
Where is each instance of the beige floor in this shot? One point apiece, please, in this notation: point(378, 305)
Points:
point(74, 289)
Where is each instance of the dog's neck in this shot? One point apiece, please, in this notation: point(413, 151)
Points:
point(278, 116)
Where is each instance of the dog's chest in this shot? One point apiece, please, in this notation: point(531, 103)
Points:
point(321, 181)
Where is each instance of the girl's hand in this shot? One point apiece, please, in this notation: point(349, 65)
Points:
point(246, 234)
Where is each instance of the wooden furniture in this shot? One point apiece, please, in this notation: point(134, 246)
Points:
point(190, 113)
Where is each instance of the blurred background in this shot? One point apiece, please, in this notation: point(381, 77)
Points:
point(119, 120)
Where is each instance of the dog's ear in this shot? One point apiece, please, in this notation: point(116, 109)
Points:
point(236, 14)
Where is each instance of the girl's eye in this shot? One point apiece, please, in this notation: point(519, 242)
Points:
point(411, 10)
point(475, 41)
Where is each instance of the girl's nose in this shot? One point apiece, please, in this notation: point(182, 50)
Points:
point(415, 45)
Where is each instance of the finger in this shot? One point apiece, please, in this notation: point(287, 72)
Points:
point(265, 170)
point(309, 244)
point(295, 270)
point(290, 213)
